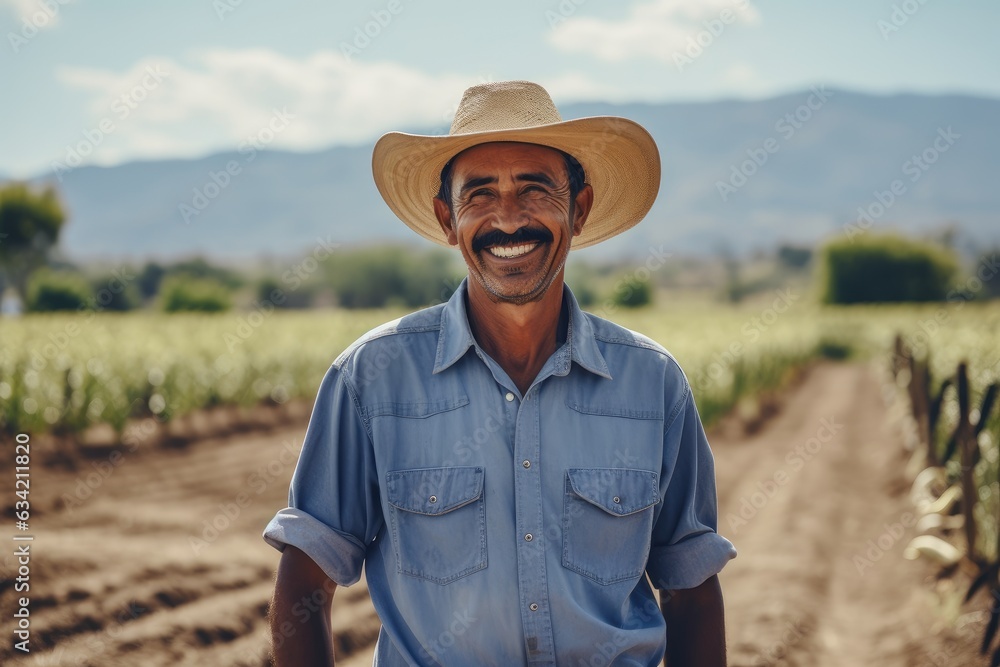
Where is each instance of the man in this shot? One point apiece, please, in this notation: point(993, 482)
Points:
point(508, 468)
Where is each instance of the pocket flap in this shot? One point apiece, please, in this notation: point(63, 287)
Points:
point(618, 491)
point(434, 490)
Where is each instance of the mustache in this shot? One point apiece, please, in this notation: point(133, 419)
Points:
point(522, 235)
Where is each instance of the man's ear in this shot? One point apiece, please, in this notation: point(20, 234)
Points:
point(443, 214)
point(581, 207)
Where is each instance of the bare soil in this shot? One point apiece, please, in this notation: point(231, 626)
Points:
point(153, 557)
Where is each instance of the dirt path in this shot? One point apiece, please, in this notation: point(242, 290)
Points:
point(816, 505)
point(121, 575)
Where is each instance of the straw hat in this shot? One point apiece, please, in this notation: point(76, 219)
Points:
point(618, 155)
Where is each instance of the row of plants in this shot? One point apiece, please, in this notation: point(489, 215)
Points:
point(952, 386)
point(65, 373)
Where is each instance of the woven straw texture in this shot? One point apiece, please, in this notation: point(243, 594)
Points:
point(619, 157)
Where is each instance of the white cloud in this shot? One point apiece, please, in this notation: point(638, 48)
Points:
point(743, 77)
point(654, 29)
point(217, 99)
point(39, 13)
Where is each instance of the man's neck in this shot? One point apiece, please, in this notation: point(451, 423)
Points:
point(518, 337)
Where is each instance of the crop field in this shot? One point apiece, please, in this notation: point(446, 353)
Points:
point(67, 372)
point(145, 565)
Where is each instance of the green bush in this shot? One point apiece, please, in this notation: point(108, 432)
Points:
point(581, 278)
point(986, 273)
point(885, 268)
point(114, 293)
point(198, 267)
point(179, 293)
point(795, 257)
point(281, 295)
point(57, 290)
point(380, 276)
point(630, 292)
point(149, 279)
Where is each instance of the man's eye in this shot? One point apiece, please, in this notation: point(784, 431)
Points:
point(480, 193)
point(533, 189)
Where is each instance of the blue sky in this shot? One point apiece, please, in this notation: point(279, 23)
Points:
point(103, 82)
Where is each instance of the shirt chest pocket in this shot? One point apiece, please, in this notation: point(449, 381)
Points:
point(607, 522)
point(438, 521)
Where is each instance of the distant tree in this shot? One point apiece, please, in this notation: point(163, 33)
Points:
point(282, 295)
point(734, 289)
point(988, 271)
point(795, 257)
point(886, 268)
point(114, 294)
point(49, 290)
point(30, 222)
point(630, 292)
point(199, 267)
point(378, 276)
point(580, 278)
point(180, 293)
point(149, 279)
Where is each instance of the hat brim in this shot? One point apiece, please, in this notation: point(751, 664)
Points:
point(619, 156)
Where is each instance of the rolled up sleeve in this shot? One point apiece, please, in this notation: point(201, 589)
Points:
point(333, 511)
point(686, 548)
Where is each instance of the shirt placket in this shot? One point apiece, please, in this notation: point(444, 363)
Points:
point(532, 583)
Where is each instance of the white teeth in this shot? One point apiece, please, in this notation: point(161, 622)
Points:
point(512, 251)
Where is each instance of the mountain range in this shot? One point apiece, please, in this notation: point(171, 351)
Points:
point(736, 175)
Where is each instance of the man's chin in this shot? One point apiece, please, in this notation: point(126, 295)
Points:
point(502, 290)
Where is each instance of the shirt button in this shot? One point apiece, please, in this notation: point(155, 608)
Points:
point(528, 537)
point(526, 463)
point(509, 396)
point(433, 499)
point(617, 500)
point(533, 607)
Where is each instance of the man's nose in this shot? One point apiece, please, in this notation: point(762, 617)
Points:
point(511, 214)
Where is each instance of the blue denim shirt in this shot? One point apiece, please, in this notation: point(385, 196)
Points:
point(501, 528)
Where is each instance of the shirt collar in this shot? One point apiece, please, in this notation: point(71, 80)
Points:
point(455, 336)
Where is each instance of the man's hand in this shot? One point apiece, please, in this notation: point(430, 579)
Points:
point(696, 628)
point(299, 615)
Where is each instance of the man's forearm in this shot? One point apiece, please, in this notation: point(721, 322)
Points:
point(299, 616)
point(696, 629)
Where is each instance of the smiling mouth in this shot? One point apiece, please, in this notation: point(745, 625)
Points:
point(509, 252)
